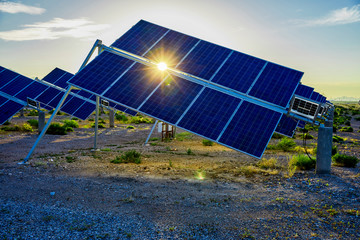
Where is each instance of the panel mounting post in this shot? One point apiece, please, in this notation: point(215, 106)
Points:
point(96, 122)
point(47, 124)
point(324, 145)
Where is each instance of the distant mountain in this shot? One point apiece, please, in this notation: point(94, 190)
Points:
point(345, 99)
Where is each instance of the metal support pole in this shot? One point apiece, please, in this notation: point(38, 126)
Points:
point(152, 130)
point(47, 125)
point(96, 122)
point(111, 118)
point(324, 146)
point(41, 121)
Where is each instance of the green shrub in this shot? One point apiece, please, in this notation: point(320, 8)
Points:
point(70, 159)
point(33, 113)
point(302, 162)
point(267, 163)
point(6, 123)
point(286, 144)
point(56, 129)
point(75, 118)
point(26, 128)
point(130, 127)
point(189, 152)
point(100, 125)
point(11, 128)
point(141, 119)
point(206, 142)
point(346, 129)
point(33, 122)
point(308, 136)
point(347, 123)
point(338, 139)
point(182, 136)
point(121, 117)
point(71, 123)
point(102, 121)
point(357, 118)
point(343, 160)
point(131, 156)
point(277, 136)
point(355, 112)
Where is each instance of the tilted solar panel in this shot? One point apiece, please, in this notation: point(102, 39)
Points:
point(176, 100)
point(287, 126)
point(304, 91)
point(270, 82)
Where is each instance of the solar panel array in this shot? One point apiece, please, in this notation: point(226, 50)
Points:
point(22, 87)
point(8, 109)
point(228, 120)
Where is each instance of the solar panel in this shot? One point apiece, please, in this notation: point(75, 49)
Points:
point(273, 83)
point(287, 126)
point(8, 109)
point(304, 91)
point(314, 96)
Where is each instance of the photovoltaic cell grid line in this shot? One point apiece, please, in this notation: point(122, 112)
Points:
point(304, 91)
point(144, 90)
point(276, 84)
point(287, 126)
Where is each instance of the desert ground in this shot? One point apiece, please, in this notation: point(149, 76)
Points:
point(182, 189)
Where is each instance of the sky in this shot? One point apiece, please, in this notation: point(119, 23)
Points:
point(318, 37)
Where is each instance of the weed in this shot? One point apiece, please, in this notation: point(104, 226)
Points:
point(33, 122)
point(189, 152)
point(153, 144)
point(182, 136)
point(131, 156)
point(338, 139)
point(70, 159)
point(308, 136)
point(302, 162)
point(130, 127)
point(33, 113)
point(267, 163)
point(153, 139)
point(141, 119)
point(343, 160)
point(277, 136)
point(206, 142)
point(74, 118)
point(286, 144)
point(249, 171)
point(127, 200)
point(11, 128)
point(70, 123)
point(346, 129)
point(26, 128)
point(121, 117)
point(100, 125)
point(106, 150)
point(57, 129)
point(171, 164)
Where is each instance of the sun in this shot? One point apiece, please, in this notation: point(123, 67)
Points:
point(162, 66)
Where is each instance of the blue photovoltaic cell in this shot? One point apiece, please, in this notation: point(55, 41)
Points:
point(101, 72)
point(239, 71)
point(31, 91)
point(251, 129)
point(2, 68)
point(304, 91)
point(171, 99)
point(135, 85)
point(204, 60)
point(48, 95)
point(140, 37)
point(314, 96)
point(276, 84)
point(6, 76)
point(16, 85)
point(54, 75)
point(85, 110)
point(9, 109)
point(287, 126)
point(171, 48)
point(209, 113)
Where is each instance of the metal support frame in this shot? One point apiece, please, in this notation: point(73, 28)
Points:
point(47, 125)
point(97, 43)
point(152, 130)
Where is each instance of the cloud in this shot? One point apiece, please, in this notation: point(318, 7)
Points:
point(55, 29)
point(12, 7)
point(337, 17)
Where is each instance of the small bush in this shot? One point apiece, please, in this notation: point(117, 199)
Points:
point(140, 119)
point(153, 139)
point(338, 139)
point(346, 129)
point(347, 123)
point(277, 136)
point(121, 117)
point(102, 121)
point(308, 136)
point(130, 127)
point(286, 144)
point(100, 125)
point(206, 142)
point(131, 156)
point(189, 152)
point(357, 118)
point(26, 128)
point(75, 118)
point(267, 163)
point(343, 160)
point(11, 128)
point(33, 122)
point(70, 159)
point(302, 162)
point(56, 129)
point(33, 113)
point(6, 123)
point(71, 123)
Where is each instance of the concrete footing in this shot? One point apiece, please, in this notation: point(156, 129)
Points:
point(112, 118)
point(324, 148)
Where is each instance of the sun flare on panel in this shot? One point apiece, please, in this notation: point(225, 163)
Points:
point(162, 66)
